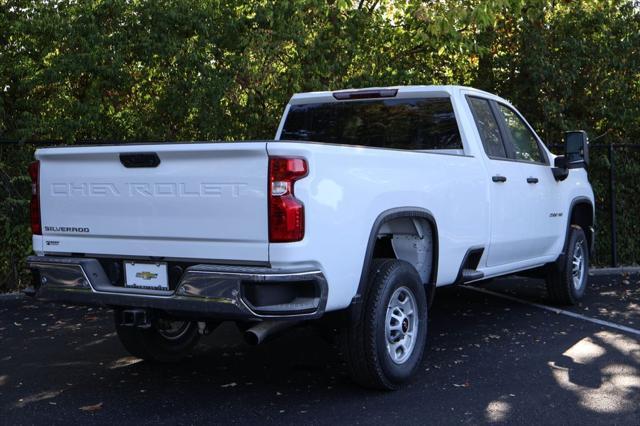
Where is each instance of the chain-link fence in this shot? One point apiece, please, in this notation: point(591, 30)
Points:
point(615, 176)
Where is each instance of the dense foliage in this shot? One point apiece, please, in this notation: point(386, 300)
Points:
point(127, 70)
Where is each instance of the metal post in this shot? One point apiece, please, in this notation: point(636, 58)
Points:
point(612, 208)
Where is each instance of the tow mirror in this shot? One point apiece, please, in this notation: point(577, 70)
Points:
point(576, 149)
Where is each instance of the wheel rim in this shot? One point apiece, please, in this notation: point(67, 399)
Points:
point(401, 325)
point(578, 265)
point(172, 330)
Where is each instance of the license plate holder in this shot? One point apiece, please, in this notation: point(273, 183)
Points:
point(145, 275)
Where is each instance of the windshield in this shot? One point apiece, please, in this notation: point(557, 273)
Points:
point(414, 124)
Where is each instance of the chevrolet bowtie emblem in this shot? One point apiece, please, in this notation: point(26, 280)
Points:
point(146, 275)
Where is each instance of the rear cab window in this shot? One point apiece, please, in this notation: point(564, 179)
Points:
point(421, 124)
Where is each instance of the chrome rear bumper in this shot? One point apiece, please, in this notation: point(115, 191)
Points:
point(204, 290)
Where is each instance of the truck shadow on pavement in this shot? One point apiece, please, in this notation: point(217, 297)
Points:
point(488, 360)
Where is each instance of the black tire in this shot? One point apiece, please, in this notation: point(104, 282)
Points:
point(365, 339)
point(560, 278)
point(151, 344)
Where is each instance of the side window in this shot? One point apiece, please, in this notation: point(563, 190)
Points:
point(487, 127)
point(524, 142)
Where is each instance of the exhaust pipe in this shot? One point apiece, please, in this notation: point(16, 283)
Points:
point(263, 330)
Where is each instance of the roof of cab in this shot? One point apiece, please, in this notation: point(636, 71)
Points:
point(327, 96)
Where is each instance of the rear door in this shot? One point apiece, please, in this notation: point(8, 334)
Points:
point(196, 201)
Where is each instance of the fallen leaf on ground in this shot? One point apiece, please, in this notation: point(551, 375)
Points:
point(463, 385)
point(92, 408)
point(22, 402)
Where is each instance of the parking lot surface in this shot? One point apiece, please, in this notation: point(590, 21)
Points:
point(488, 360)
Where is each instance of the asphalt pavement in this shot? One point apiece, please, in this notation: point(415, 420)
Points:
point(488, 360)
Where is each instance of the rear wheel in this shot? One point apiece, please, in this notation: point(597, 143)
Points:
point(385, 344)
point(165, 341)
point(567, 283)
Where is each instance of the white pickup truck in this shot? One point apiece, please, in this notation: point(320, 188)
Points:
point(365, 202)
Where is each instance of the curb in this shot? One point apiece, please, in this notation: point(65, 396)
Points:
point(623, 270)
point(12, 296)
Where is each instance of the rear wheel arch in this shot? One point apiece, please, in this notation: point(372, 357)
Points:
point(386, 222)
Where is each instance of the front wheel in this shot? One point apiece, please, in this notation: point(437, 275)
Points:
point(567, 283)
point(165, 341)
point(385, 344)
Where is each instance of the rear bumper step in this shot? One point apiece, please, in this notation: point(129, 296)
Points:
point(203, 291)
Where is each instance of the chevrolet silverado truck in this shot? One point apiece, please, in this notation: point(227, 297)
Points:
point(364, 203)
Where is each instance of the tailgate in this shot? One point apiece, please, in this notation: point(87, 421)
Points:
point(202, 201)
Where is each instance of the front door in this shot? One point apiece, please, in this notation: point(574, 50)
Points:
point(536, 181)
point(519, 184)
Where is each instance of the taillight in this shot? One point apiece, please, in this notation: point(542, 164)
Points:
point(34, 172)
point(286, 212)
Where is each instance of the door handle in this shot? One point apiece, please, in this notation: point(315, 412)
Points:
point(532, 180)
point(139, 159)
point(498, 178)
